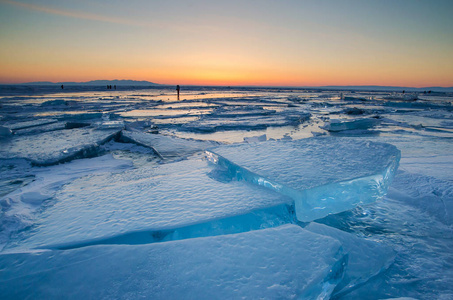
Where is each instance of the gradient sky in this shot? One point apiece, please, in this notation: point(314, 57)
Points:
point(279, 43)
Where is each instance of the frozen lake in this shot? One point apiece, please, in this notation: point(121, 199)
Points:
point(225, 193)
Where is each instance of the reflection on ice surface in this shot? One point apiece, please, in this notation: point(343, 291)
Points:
point(112, 192)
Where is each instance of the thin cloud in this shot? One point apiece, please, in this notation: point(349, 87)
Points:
point(77, 15)
point(114, 20)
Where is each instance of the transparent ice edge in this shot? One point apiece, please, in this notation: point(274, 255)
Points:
point(318, 202)
point(258, 219)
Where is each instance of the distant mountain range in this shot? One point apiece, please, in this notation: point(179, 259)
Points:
point(96, 83)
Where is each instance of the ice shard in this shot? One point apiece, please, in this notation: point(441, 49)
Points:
point(322, 175)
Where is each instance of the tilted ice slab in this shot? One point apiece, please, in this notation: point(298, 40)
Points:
point(338, 125)
point(57, 146)
point(322, 175)
point(158, 198)
point(277, 263)
point(167, 146)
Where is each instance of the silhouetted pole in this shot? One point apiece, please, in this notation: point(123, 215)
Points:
point(177, 90)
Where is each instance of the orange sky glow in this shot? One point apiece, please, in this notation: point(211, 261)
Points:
point(212, 43)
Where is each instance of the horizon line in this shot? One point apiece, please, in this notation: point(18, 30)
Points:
point(226, 85)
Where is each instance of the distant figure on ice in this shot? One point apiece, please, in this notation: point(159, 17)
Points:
point(177, 90)
point(114, 86)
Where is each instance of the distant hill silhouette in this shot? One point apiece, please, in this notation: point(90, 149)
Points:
point(96, 83)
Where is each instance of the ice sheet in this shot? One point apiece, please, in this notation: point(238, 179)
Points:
point(14, 174)
point(57, 146)
point(426, 155)
point(278, 263)
point(429, 194)
point(17, 125)
point(322, 175)
point(19, 208)
point(148, 198)
point(5, 132)
point(422, 269)
point(41, 129)
point(414, 219)
point(167, 146)
point(253, 122)
point(365, 258)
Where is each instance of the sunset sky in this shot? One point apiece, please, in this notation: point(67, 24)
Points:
point(278, 43)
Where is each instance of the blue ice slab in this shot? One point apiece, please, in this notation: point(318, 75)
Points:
point(29, 124)
point(80, 116)
point(5, 132)
point(278, 263)
point(41, 129)
point(322, 175)
point(212, 124)
point(20, 208)
point(56, 146)
point(365, 258)
point(149, 198)
point(232, 111)
point(338, 125)
point(167, 146)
